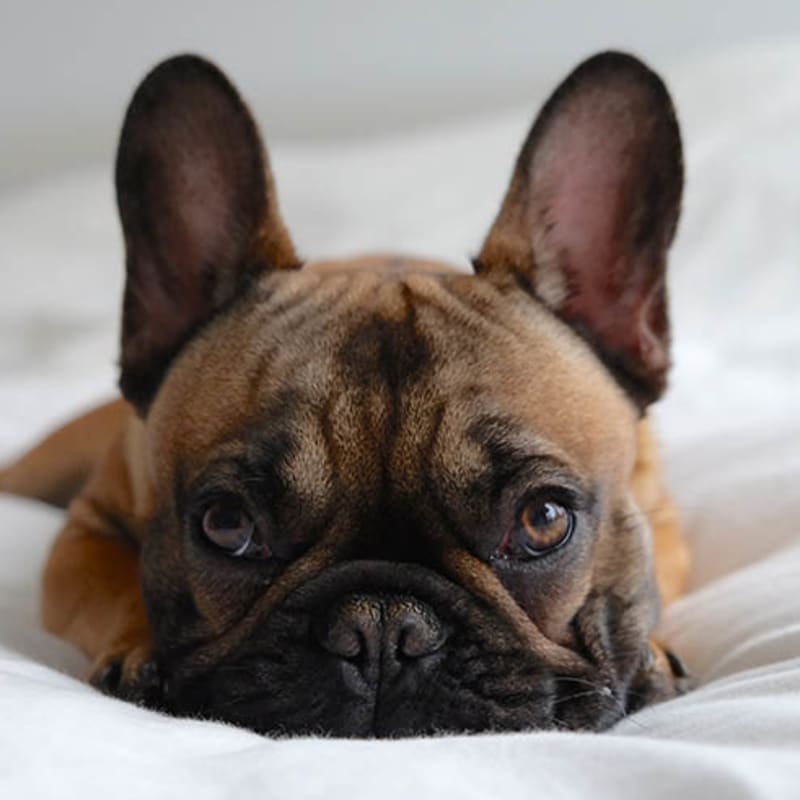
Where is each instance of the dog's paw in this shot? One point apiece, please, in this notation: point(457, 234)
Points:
point(662, 676)
point(130, 674)
point(681, 679)
point(670, 667)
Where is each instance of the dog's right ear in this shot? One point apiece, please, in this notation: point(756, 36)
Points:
point(199, 214)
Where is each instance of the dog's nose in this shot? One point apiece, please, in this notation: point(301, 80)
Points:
point(381, 632)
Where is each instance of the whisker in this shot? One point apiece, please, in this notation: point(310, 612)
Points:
point(601, 688)
point(604, 691)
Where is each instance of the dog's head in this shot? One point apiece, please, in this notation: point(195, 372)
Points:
point(389, 498)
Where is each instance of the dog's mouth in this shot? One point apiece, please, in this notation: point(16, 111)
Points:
point(385, 651)
point(494, 700)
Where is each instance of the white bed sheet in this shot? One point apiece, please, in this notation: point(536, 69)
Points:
point(730, 427)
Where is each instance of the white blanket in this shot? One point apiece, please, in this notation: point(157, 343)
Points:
point(730, 428)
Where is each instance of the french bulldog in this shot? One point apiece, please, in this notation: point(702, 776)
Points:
point(379, 496)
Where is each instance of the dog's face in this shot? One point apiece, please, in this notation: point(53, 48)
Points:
point(389, 498)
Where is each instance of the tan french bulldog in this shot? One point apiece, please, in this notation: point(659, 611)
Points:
point(377, 496)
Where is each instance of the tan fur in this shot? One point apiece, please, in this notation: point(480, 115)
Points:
point(91, 595)
point(672, 560)
point(56, 469)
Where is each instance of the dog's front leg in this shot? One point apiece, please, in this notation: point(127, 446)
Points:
point(91, 589)
point(91, 598)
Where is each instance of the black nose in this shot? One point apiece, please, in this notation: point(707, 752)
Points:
point(381, 634)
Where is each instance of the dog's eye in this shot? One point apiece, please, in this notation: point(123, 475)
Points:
point(227, 524)
point(541, 526)
point(544, 525)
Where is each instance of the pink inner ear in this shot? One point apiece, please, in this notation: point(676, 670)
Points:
point(201, 179)
point(202, 211)
point(591, 211)
point(586, 185)
point(194, 233)
point(584, 209)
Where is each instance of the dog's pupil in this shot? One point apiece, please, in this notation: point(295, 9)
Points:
point(228, 519)
point(227, 525)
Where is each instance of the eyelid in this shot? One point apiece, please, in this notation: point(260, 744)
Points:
point(567, 496)
point(205, 498)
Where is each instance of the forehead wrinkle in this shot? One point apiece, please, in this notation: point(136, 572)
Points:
point(455, 310)
point(308, 471)
point(449, 324)
point(383, 360)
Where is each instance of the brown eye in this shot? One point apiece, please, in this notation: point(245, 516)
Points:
point(542, 526)
point(228, 525)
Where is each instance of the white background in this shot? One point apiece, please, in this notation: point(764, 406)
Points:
point(316, 68)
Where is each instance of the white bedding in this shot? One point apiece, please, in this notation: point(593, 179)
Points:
point(730, 428)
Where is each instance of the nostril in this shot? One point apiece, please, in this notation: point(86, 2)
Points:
point(419, 633)
point(349, 628)
point(416, 644)
point(342, 641)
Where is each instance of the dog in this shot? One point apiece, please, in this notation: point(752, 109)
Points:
point(378, 496)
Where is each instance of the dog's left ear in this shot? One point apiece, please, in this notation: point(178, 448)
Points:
point(199, 214)
point(591, 212)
